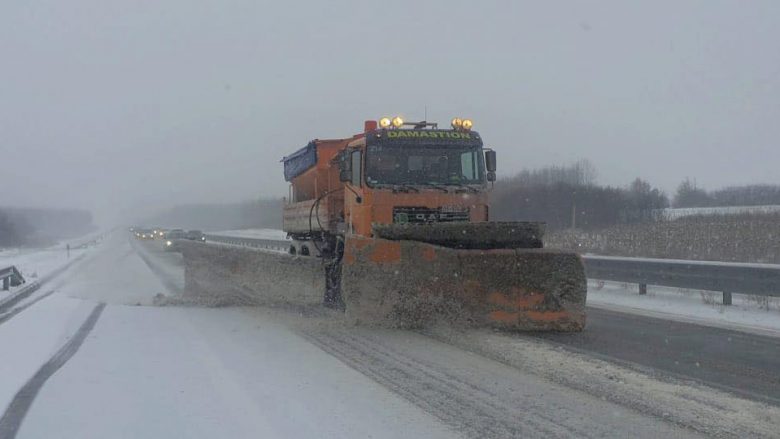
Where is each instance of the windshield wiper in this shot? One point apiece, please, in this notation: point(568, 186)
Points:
point(438, 186)
point(461, 185)
point(397, 187)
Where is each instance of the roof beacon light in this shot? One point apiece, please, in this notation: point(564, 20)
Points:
point(398, 122)
point(384, 122)
point(467, 124)
point(457, 123)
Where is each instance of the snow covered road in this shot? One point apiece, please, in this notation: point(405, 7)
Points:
point(184, 372)
point(147, 371)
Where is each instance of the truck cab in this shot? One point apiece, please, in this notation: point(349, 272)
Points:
point(392, 173)
point(414, 176)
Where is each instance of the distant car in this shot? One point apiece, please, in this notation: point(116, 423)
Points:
point(196, 235)
point(171, 237)
point(175, 234)
point(144, 234)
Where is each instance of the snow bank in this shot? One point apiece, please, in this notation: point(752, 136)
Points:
point(748, 313)
point(253, 233)
point(221, 275)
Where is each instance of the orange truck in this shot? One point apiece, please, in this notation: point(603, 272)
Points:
point(399, 215)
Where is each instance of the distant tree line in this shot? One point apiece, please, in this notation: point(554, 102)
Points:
point(40, 226)
point(262, 213)
point(568, 196)
point(690, 195)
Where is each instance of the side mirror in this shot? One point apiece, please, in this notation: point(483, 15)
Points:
point(490, 161)
point(345, 175)
point(491, 176)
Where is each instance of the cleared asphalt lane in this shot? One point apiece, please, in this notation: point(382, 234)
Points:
point(742, 363)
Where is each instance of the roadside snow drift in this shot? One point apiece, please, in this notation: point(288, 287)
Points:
point(221, 275)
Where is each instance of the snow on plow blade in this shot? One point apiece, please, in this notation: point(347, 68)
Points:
point(405, 283)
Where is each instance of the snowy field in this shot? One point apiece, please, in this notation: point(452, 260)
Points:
point(748, 313)
point(36, 264)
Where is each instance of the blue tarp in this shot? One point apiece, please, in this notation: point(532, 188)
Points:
point(298, 162)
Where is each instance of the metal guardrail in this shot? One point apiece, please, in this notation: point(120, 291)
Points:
point(269, 244)
point(725, 277)
point(11, 277)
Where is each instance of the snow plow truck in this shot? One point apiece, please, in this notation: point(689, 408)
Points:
point(399, 215)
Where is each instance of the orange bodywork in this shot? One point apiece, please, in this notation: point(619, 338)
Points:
point(408, 283)
point(339, 199)
point(412, 283)
point(324, 176)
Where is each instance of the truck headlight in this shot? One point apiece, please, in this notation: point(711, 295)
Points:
point(398, 122)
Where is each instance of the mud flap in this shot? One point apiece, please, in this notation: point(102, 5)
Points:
point(332, 297)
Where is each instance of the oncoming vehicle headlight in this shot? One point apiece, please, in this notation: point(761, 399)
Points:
point(398, 122)
point(168, 243)
point(384, 122)
point(467, 124)
point(202, 238)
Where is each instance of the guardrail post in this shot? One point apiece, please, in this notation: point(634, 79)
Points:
point(726, 298)
point(642, 289)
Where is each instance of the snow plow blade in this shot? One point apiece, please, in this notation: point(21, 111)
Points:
point(411, 284)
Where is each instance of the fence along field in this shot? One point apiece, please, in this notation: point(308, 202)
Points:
point(748, 237)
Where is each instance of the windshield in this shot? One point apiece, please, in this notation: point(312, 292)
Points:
point(423, 165)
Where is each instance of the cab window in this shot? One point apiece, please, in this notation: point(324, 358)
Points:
point(356, 168)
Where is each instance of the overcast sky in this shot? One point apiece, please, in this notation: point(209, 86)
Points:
point(122, 105)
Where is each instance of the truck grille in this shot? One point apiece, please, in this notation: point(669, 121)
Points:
point(425, 215)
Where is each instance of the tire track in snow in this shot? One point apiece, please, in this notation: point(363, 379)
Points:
point(477, 397)
point(161, 275)
point(16, 411)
